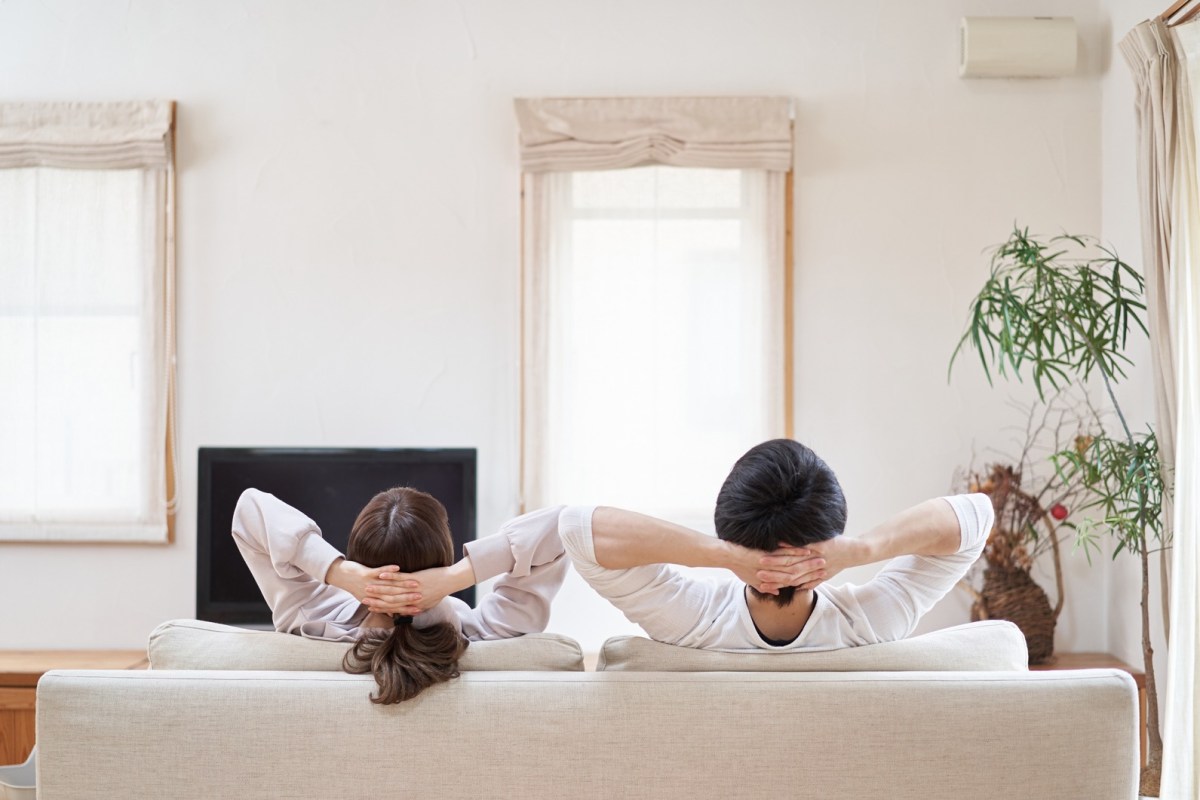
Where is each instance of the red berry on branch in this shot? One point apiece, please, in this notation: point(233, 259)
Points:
point(1059, 512)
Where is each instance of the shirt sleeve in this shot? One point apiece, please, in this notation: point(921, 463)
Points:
point(288, 557)
point(890, 604)
point(668, 605)
point(528, 556)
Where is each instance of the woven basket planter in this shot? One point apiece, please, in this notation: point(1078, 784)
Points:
point(1013, 595)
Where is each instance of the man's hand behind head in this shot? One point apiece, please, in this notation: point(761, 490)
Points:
point(809, 566)
point(787, 566)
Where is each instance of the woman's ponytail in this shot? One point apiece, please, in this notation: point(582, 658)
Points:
point(406, 660)
point(411, 530)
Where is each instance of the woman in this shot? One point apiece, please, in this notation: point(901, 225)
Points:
point(390, 593)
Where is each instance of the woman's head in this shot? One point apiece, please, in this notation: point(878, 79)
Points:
point(408, 528)
point(402, 526)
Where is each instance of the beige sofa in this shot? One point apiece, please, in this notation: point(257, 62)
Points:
point(266, 717)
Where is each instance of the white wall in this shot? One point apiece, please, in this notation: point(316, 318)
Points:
point(348, 233)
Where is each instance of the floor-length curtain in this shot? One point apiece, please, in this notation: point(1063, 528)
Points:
point(1156, 66)
point(1178, 277)
point(1150, 53)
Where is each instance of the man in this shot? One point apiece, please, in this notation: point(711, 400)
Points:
point(779, 520)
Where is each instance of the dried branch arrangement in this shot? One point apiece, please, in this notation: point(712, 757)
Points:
point(1032, 501)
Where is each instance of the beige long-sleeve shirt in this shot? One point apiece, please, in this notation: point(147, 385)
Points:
point(289, 560)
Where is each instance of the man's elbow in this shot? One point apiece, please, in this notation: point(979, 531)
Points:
point(573, 531)
point(985, 518)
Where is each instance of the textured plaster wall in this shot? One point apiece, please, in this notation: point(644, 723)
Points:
point(349, 251)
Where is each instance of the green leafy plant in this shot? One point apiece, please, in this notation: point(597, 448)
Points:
point(1061, 308)
point(1125, 481)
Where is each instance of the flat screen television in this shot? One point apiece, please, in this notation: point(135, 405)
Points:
point(330, 485)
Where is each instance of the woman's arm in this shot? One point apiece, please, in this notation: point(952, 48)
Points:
point(300, 575)
point(527, 555)
point(352, 577)
point(387, 593)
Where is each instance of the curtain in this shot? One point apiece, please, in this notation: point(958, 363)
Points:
point(1150, 51)
point(1165, 63)
point(567, 134)
point(86, 322)
point(1181, 758)
point(653, 333)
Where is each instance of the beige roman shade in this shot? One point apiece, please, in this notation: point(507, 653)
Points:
point(126, 135)
point(567, 134)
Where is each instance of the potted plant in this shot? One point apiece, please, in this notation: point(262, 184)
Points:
point(1032, 500)
point(1060, 309)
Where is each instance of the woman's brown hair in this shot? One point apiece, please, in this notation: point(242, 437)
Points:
point(407, 528)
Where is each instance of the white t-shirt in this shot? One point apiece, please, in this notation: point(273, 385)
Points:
point(712, 615)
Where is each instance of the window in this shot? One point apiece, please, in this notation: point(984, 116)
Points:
point(85, 350)
point(654, 335)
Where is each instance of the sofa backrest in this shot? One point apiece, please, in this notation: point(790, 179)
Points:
point(192, 644)
point(579, 735)
point(986, 645)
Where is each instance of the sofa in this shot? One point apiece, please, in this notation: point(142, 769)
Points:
point(230, 713)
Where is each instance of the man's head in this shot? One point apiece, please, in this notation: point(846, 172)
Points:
point(780, 493)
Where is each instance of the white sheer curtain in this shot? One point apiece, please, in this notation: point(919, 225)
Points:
point(1163, 119)
point(657, 333)
point(85, 324)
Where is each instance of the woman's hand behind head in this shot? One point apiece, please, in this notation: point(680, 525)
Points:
point(355, 578)
point(411, 593)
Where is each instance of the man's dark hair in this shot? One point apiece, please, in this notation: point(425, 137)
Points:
point(780, 492)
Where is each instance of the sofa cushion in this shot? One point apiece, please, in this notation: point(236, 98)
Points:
point(192, 644)
point(977, 646)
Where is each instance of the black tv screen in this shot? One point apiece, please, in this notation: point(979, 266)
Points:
point(330, 486)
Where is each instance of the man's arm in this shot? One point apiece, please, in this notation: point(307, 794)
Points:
point(630, 560)
point(626, 539)
point(928, 529)
point(930, 547)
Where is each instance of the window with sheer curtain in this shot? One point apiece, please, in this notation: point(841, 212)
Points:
point(85, 345)
point(655, 331)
